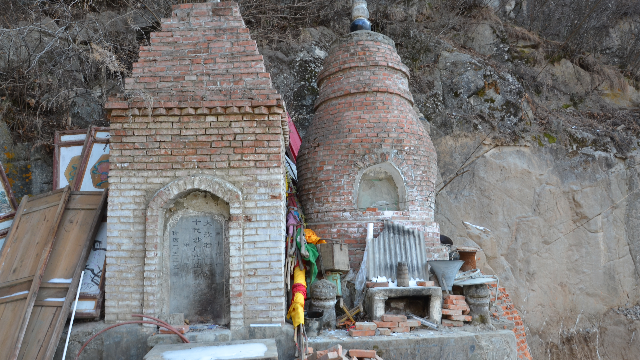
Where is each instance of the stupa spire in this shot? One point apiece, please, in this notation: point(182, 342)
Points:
point(360, 16)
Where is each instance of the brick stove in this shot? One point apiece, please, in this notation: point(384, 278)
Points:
point(196, 203)
point(366, 157)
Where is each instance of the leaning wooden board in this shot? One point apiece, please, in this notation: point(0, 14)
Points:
point(22, 264)
point(73, 240)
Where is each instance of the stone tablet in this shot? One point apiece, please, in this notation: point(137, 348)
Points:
point(197, 283)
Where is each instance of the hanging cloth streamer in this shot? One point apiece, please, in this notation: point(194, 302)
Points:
point(296, 310)
point(310, 253)
point(312, 238)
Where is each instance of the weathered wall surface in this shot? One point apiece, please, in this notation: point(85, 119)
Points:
point(561, 232)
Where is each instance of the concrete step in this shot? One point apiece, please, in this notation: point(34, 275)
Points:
point(261, 349)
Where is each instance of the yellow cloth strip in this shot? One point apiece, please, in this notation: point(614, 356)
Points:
point(312, 238)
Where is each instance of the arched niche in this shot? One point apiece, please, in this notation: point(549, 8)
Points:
point(183, 205)
point(380, 186)
point(196, 234)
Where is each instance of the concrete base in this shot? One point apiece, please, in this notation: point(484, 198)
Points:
point(123, 342)
point(132, 342)
point(231, 349)
point(424, 344)
point(283, 336)
point(376, 298)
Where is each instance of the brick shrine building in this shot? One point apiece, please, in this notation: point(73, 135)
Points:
point(366, 157)
point(196, 203)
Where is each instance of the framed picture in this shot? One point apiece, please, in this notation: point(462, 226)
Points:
point(94, 166)
point(67, 156)
point(82, 159)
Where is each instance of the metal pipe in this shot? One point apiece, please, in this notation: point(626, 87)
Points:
point(73, 315)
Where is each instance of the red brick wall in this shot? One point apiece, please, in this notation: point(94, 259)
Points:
point(504, 309)
point(364, 117)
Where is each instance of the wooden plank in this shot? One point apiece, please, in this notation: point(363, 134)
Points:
point(10, 310)
point(16, 281)
point(46, 206)
point(7, 188)
point(26, 254)
point(47, 285)
point(68, 258)
point(48, 303)
point(13, 298)
point(38, 329)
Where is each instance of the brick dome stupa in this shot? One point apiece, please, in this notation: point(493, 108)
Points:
point(366, 156)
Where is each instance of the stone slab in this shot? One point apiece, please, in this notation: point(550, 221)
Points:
point(476, 281)
point(262, 349)
point(426, 344)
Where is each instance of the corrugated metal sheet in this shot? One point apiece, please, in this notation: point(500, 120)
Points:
point(397, 243)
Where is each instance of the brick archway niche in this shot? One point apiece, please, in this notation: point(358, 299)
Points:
point(392, 181)
point(162, 213)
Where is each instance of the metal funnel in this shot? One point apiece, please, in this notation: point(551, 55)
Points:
point(447, 270)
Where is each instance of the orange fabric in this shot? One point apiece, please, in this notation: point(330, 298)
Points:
point(312, 238)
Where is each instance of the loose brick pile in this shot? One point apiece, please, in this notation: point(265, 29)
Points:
point(336, 352)
point(454, 311)
point(364, 116)
point(387, 325)
point(504, 309)
point(200, 113)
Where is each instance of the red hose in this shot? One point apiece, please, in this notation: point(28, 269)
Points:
point(166, 325)
point(171, 328)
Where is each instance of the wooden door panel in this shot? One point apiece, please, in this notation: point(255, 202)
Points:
point(74, 238)
point(23, 261)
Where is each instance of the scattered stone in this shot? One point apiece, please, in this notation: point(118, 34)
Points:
point(330, 355)
point(451, 312)
point(452, 323)
point(394, 318)
point(456, 307)
point(366, 326)
point(181, 329)
point(336, 348)
point(362, 353)
point(385, 324)
point(357, 333)
point(409, 323)
point(400, 329)
point(377, 284)
point(459, 317)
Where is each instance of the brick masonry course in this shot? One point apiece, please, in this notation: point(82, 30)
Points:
point(199, 113)
point(364, 116)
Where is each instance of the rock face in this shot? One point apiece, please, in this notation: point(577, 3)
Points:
point(560, 230)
